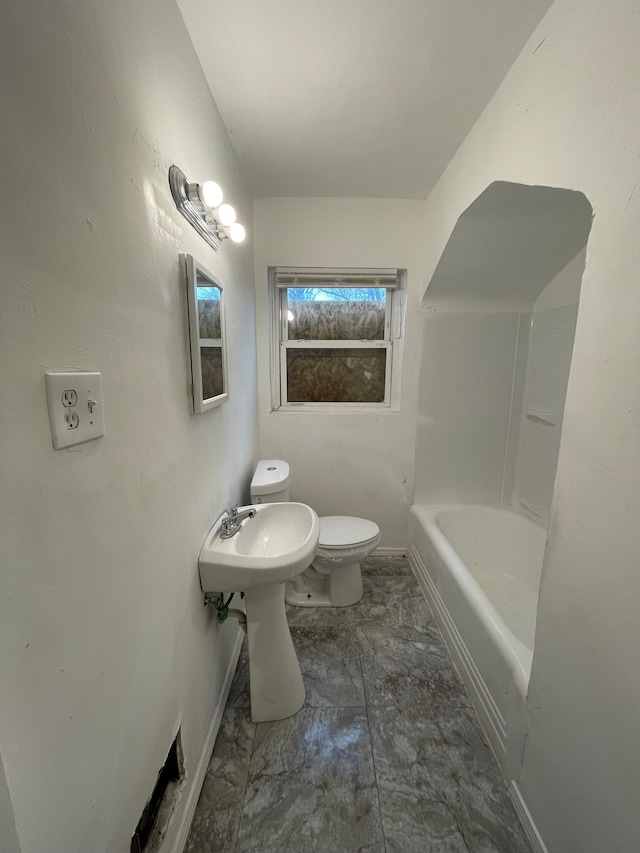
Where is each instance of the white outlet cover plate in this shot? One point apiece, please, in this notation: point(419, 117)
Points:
point(84, 419)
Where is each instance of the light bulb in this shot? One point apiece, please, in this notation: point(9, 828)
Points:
point(210, 194)
point(225, 214)
point(237, 232)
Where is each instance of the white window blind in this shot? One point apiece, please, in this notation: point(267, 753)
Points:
point(328, 277)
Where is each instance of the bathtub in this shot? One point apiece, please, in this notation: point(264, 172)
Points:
point(479, 567)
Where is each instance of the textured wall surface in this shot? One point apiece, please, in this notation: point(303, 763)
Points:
point(106, 646)
point(568, 115)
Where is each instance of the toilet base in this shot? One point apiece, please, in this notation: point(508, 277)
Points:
point(310, 598)
point(341, 587)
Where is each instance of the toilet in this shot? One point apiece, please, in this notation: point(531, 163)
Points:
point(334, 578)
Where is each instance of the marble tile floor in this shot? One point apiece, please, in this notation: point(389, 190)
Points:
point(386, 755)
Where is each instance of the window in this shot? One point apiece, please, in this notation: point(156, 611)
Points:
point(337, 335)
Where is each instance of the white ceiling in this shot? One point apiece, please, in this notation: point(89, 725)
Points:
point(353, 97)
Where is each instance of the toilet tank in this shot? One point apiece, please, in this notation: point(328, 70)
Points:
point(270, 482)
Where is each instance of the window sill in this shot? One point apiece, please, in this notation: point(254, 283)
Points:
point(328, 409)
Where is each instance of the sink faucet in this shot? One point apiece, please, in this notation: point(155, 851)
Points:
point(233, 522)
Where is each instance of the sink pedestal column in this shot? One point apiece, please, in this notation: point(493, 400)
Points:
point(277, 689)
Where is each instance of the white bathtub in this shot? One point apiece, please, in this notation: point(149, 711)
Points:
point(479, 567)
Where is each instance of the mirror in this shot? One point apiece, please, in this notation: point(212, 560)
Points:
point(205, 298)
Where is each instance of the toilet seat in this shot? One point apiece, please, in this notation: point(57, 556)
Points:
point(346, 531)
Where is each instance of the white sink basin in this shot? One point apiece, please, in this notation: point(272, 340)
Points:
point(277, 544)
point(274, 546)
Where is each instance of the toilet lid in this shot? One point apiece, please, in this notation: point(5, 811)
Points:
point(340, 531)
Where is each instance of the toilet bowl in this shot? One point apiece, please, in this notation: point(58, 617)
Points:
point(334, 578)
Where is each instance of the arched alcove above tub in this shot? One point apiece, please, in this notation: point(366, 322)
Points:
point(500, 310)
point(507, 246)
point(500, 317)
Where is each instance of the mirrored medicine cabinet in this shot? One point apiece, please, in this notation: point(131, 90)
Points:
point(205, 302)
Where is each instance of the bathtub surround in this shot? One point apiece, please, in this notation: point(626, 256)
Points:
point(568, 115)
point(106, 646)
point(467, 382)
point(537, 408)
point(498, 335)
point(491, 410)
point(549, 359)
point(386, 754)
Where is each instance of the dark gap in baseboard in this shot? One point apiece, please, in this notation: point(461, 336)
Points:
point(156, 816)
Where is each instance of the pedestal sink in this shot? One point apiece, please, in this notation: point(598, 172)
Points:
point(277, 544)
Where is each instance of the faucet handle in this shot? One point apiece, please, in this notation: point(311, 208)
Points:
point(233, 511)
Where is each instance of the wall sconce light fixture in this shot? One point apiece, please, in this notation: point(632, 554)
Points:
point(201, 205)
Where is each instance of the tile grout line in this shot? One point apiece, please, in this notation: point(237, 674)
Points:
point(246, 781)
point(373, 756)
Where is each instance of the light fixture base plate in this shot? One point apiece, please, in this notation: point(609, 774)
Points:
point(192, 211)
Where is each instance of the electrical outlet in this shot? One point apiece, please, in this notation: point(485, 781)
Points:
point(72, 420)
point(75, 407)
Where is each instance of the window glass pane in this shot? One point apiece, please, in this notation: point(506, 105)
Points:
point(336, 313)
point(209, 312)
point(336, 375)
point(212, 376)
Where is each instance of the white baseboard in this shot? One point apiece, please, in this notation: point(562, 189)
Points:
point(528, 824)
point(207, 749)
point(390, 552)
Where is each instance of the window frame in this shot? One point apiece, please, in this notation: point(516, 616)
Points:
point(392, 341)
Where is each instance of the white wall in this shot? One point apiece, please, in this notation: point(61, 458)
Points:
point(105, 642)
point(568, 114)
point(355, 464)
